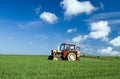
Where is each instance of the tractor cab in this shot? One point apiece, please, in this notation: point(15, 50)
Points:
point(65, 46)
point(66, 51)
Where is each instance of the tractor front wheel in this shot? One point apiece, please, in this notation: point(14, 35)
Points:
point(71, 56)
point(50, 57)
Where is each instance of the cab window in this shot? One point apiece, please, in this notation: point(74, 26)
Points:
point(77, 48)
point(62, 47)
point(72, 47)
point(67, 47)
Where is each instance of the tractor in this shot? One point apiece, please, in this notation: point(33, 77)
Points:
point(66, 51)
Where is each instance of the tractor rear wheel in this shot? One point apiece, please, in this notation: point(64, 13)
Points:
point(71, 56)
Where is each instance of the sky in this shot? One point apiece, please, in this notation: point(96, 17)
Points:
point(35, 27)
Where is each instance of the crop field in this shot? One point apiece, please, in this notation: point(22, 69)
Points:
point(38, 67)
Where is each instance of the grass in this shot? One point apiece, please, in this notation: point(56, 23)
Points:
point(38, 67)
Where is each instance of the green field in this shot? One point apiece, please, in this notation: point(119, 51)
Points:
point(38, 67)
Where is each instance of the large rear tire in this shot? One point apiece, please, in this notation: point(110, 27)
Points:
point(71, 57)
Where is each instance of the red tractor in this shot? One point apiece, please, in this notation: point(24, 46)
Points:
point(66, 51)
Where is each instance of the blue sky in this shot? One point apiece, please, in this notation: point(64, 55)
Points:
point(37, 26)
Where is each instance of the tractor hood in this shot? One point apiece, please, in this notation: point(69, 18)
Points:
point(55, 51)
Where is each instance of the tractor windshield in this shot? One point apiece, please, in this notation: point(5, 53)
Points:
point(64, 47)
point(72, 47)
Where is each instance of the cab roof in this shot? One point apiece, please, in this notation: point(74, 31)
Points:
point(69, 44)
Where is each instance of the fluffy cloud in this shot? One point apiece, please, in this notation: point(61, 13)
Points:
point(100, 30)
point(108, 51)
point(49, 17)
point(115, 41)
point(74, 7)
point(71, 30)
point(79, 38)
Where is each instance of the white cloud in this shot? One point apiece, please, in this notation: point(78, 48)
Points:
point(100, 30)
point(49, 17)
point(115, 41)
point(79, 38)
point(108, 51)
point(71, 30)
point(75, 7)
